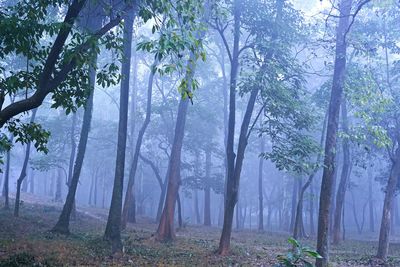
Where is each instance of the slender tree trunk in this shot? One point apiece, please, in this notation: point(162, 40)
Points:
point(207, 190)
point(7, 177)
point(71, 161)
point(298, 231)
point(178, 201)
point(95, 188)
point(230, 191)
point(383, 246)
point(113, 228)
point(166, 231)
point(163, 185)
point(196, 206)
point(32, 183)
point(128, 213)
point(260, 187)
point(343, 179)
point(23, 170)
point(331, 135)
point(234, 162)
point(293, 204)
point(62, 225)
point(91, 189)
point(58, 195)
point(355, 212)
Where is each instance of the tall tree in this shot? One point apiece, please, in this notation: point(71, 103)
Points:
point(113, 228)
point(331, 133)
point(129, 208)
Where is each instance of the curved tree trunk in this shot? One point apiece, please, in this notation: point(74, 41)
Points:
point(331, 135)
point(162, 185)
point(113, 227)
point(23, 170)
point(384, 232)
point(166, 231)
point(235, 162)
point(343, 179)
point(298, 231)
point(62, 225)
point(128, 212)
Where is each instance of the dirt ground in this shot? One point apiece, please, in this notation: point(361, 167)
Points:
point(26, 241)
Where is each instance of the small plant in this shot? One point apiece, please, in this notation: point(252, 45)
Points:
point(298, 256)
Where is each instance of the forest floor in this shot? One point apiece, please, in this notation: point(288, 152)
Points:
point(27, 241)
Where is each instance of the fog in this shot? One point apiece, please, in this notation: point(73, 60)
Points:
point(178, 121)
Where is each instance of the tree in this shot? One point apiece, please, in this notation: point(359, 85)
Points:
point(331, 133)
point(113, 228)
point(92, 20)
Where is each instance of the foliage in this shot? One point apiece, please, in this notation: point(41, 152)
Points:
point(299, 256)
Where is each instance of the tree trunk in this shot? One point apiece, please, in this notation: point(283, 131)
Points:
point(23, 170)
point(113, 228)
point(62, 225)
point(234, 162)
point(58, 194)
point(196, 206)
point(343, 178)
point(71, 161)
point(230, 191)
point(128, 213)
point(260, 187)
point(383, 246)
point(298, 225)
point(91, 189)
point(331, 135)
point(293, 204)
point(7, 177)
point(163, 185)
point(166, 231)
point(32, 183)
point(180, 221)
point(207, 190)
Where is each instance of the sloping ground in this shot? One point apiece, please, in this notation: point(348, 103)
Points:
point(26, 241)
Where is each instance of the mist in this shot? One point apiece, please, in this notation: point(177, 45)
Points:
point(199, 133)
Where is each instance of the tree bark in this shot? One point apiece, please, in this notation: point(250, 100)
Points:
point(370, 198)
point(384, 232)
point(113, 228)
point(128, 213)
point(23, 170)
point(343, 179)
point(331, 135)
